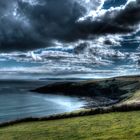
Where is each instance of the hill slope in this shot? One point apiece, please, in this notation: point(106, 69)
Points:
point(112, 126)
point(101, 92)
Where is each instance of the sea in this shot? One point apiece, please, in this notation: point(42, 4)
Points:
point(17, 102)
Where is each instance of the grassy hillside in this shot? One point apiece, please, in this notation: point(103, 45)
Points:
point(134, 98)
point(112, 126)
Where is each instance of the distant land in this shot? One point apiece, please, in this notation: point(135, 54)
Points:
point(107, 91)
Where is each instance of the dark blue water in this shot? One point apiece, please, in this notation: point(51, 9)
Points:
point(17, 102)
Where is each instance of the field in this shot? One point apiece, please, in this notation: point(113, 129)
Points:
point(112, 126)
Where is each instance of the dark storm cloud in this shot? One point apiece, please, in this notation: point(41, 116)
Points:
point(15, 34)
point(116, 21)
point(54, 19)
point(130, 16)
point(36, 25)
point(25, 25)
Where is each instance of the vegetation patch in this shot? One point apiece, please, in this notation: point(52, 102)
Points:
point(112, 126)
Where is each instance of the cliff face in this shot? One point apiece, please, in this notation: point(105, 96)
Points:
point(106, 90)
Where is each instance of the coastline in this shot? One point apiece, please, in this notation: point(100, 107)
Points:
point(97, 92)
point(129, 97)
point(80, 113)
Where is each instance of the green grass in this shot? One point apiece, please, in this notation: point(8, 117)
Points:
point(112, 126)
point(135, 98)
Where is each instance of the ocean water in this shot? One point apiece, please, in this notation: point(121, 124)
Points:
point(17, 102)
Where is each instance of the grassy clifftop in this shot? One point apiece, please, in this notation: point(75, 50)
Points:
point(113, 126)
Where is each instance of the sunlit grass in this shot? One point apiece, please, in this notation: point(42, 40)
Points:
point(112, 126)
point(133, 99)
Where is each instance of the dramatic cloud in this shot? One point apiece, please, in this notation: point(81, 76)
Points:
point(119, 20)
point(31, 24)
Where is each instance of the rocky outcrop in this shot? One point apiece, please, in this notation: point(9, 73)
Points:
point(105, 91)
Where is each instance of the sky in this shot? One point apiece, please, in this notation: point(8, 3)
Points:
point(69, 38)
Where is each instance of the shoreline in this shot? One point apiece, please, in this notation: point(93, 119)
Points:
point(129, 84)
point(80, 113)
